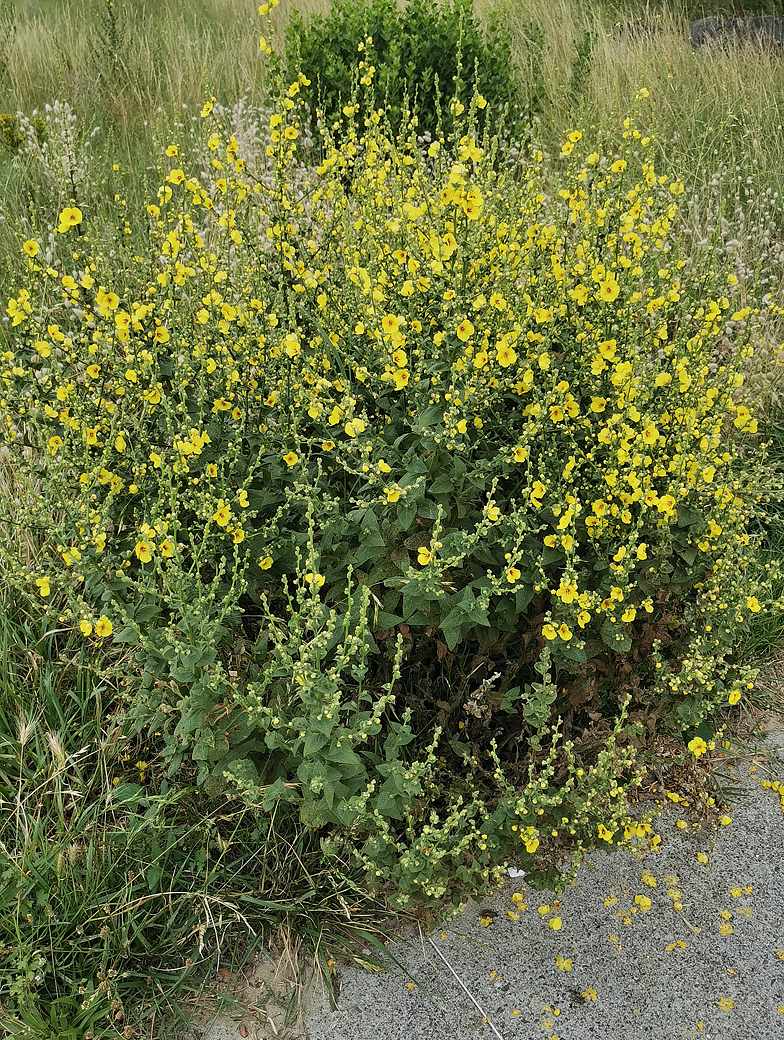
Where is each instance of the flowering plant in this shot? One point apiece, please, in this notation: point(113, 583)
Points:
point(483, 422)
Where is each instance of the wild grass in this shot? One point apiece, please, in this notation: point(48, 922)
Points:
point(127, 897)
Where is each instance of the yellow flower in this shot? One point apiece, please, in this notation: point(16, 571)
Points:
point(314, 579)
point(564, 963)
point(103, 627)
point(290, 458)
point(643, 902)
point(162, 334)
point(505, 356)
point(393, 494)
point(222, 514)
point(753, 604)
point(143, 551)
point(548, 631)
point(85, 627)
point(650, 434)
point(734, 697)
point(568, 590)
point(55, 443)
point(604, 833)
point(608, 290)
point(725, 1003)
point(31, 247)
point(697, 746)
point(555, 923)
point(69, 217)
point(238, 536)
point(167, 548)
point(43, 586)
point(565, 632)
point(618, 166)
point(512, 575)
point(424, 556)
point(465, 330)
point(725, 820)
point(265, 563)
point(400, 378)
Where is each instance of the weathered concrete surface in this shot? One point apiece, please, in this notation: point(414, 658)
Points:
point(705, 960)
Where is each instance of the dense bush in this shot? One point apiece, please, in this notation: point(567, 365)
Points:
point(417, 54)
point(401, 492)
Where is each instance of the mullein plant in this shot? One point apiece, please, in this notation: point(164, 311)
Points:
point(397, 406)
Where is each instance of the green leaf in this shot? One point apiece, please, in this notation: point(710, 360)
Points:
point(428, 418)
point(387, 804)
point(571, 652)
point(406, 511)
point(385, 620)
point(278, 791)
point(427, 509)
point(510, 699)
point(615, 637)
point(554, 555)
point(371, 532)
point(687, 515)
point(342, 753)
point(126, 635)
point(314, 742)
point(453, 626)
point(442, 485)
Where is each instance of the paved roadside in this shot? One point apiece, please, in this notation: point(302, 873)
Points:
point(661, 947)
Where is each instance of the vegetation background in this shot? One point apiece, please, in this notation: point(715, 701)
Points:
point(122, 889)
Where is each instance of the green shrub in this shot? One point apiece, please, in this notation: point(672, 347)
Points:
point(418, 55)
point(419, 503)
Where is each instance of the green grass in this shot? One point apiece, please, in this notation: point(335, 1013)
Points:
point(123, 893)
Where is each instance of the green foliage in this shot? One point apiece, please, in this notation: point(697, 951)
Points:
point(112, 875)
point(312, 445)
point(419, 54)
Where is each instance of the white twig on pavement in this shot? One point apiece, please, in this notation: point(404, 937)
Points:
point(485, 1016)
